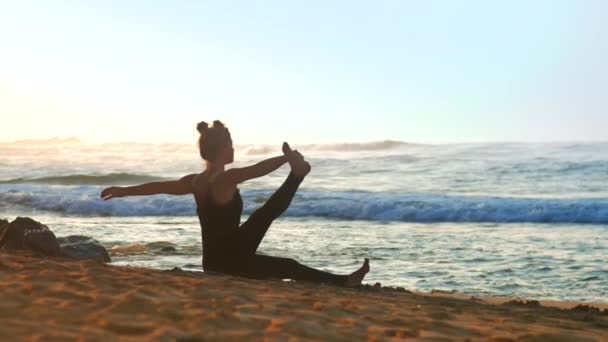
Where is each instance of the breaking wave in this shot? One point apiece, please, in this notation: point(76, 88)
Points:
point(342, 147)
point(107, 179)
point(84, 200)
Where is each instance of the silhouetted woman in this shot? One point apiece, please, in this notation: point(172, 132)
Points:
point(229, 246)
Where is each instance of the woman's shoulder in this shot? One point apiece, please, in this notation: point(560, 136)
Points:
point(210, 185)
point(197, 181)
point(190, 178)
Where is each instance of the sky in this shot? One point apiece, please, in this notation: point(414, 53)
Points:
point(305, 71)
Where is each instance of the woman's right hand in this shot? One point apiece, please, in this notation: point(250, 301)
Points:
point(111, 192)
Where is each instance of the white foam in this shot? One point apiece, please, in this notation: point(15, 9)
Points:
point(84, 200)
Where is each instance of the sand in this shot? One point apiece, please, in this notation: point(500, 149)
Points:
point(58, 299)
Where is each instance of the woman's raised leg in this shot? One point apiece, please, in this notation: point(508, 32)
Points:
point(253, 230)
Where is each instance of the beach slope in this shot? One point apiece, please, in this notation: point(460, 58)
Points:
point(55, 298)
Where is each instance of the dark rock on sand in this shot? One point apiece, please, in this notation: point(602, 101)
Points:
point(589, 309)
point(82, 247)
point(3, 223)
point(524, 303)
point(161, 247)
point(402, 289)
point(377, 287)
point(27, 234)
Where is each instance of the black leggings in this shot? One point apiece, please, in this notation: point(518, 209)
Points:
point(251, 233)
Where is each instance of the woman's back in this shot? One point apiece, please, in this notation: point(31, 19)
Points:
point(219, 222)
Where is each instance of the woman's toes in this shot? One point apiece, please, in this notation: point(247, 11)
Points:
point(287, 150)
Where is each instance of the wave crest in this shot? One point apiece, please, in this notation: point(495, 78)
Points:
point(335, 205)
point(341, 147)
point(368, 146)
point(82, 179)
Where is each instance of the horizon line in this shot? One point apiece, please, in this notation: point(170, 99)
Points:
point(74, 139)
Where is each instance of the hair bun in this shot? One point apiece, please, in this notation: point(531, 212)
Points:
point(202, 127)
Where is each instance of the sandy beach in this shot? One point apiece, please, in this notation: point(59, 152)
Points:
point(59, 299)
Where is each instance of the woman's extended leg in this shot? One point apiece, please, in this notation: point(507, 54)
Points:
point(253, 230)
point(264, 266)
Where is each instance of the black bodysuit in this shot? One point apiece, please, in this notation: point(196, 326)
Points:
point(230, 247)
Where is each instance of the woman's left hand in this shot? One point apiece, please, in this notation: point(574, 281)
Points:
point(111, 192)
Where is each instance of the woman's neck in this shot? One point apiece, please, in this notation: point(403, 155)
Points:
point(214, 168)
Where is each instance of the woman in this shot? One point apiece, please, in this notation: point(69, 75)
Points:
point(228, 246)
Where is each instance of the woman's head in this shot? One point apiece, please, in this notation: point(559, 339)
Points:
point(215, 142)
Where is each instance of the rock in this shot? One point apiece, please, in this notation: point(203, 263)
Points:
point(433, 291)
point(524, 303)
point(27, 234)
point(3, 223)
point(402, 289)
point(589, 309)
point(161, 246)
point(82, 247)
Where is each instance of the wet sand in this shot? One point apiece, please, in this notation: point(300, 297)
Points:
point(58, 299)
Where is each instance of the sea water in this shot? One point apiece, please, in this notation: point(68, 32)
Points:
point(514, 219)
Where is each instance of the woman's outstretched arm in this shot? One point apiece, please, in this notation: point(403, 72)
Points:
point(225, 184)
point(181, 186)
point(239, 175)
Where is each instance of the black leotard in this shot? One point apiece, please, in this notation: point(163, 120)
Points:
point(219, 225)
point(229, 247)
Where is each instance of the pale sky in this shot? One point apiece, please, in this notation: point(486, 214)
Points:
point(305, 71)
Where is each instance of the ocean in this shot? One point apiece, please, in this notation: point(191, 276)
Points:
point(503, 219)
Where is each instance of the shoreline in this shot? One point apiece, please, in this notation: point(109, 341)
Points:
point(444, 249)
point(60, 298)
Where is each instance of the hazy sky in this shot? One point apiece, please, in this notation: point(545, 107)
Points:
point(305, 71)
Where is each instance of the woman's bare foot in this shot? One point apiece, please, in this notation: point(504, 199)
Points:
point(299, 166)
point(355, 278)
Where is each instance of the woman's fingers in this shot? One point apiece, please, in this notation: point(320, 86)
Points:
point(108, 193)
point(104, 193)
